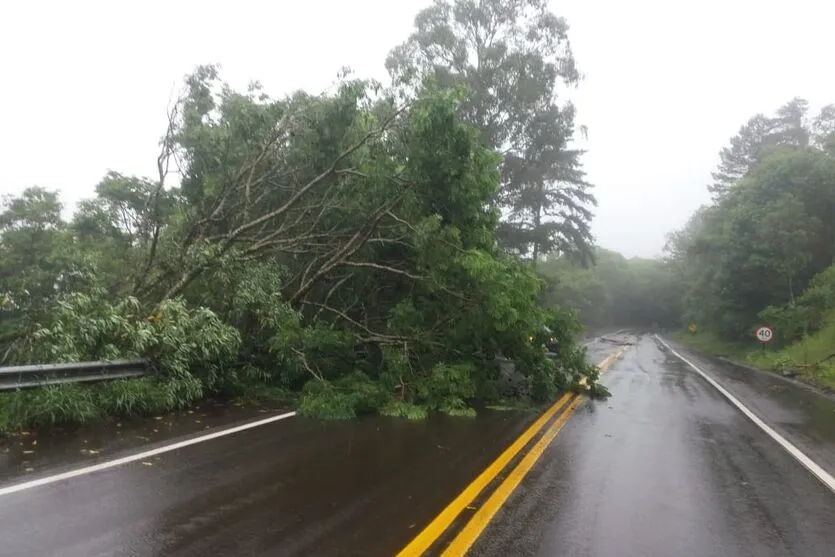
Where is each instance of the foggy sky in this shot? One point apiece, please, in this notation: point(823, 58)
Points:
point(85, 84)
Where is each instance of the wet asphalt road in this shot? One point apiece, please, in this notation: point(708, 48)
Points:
point(667, 467)
point(295, 487)
point(797, 411)
point(28, 454)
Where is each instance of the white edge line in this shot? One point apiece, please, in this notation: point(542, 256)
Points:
point(807, 462)
point(140, 456)
point(8, 490)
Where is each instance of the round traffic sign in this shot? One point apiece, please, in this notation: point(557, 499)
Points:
point(764, 334)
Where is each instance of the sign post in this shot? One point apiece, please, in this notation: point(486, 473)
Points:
point(764, 334)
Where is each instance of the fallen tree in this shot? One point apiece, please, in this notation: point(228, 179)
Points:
point(340, 245)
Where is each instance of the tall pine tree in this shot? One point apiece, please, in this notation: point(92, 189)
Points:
point(512, 56)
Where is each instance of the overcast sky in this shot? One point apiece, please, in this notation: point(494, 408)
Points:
point(85, 84)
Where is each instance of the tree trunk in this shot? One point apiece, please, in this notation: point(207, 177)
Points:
point(537, 222)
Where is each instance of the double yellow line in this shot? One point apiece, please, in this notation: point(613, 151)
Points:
point(473, 529)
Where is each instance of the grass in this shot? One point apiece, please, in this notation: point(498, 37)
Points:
point(806, 357)
point(709, 343)
point(402, 409)
point(810, 357)
point(81, 404)
point(57, 404)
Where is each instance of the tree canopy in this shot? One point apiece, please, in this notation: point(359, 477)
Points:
point(615, 292)
point(761, 253)
point(512, 58)
point(769, 233)
point(369, 247)
point(342, 244)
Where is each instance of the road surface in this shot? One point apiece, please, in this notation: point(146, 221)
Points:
point(295, 487)
point(666, 468)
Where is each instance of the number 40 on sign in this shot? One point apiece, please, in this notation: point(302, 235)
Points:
point(764, 334)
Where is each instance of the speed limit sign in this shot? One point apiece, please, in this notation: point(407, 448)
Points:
point(764, 334)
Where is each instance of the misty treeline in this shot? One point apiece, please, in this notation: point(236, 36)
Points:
point(369, 247)
point(761, 252)
point(615, 291)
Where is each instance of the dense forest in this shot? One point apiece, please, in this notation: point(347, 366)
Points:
point(614, 292)
point(762, 252)
point(753, 253)
point(371, 248)
point(383, 247)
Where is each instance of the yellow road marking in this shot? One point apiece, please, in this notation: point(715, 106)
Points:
point(479, 521)
point(438, 526)
point(467, 537)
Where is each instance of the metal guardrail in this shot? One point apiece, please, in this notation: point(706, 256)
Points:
point(38, 375)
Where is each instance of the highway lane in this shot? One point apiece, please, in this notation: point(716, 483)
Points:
point(667, 467)
point(32, 453)
point(794, 409)
point(28, 454)
point(295, 487)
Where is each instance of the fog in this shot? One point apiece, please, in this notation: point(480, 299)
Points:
point(86, 84)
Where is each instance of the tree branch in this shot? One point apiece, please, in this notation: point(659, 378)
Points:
point(163, 160)
point(354, 322)
point(382, 268)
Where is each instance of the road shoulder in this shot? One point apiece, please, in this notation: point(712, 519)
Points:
point(801, 414)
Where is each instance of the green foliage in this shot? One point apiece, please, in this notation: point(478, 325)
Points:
point(142, 396)
point(341, 245)
point(189, 349)
point(811, 357)
point(401, 409)
point(181, 343)
point(708, 342)
point(599, 392)
point(80, 404)
point(33, 241)
point(763, 251)
point(447, 387)
point(347, 397)
point(59, 404)
point(808, 314)
point(615, 291)
point(511, 59)
point(749, 257)
point(48, 406)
